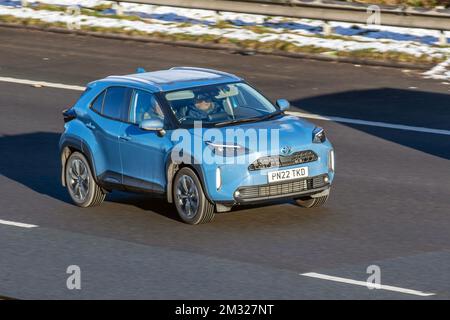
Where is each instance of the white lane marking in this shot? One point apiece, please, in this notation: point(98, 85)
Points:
point(370, 123)
point(365, 284)
point(42, 83)
point(295, 113)
point(17, 224)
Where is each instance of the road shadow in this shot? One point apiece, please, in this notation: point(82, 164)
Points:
point(32, 159)
point(146, 202)
point(395, 106)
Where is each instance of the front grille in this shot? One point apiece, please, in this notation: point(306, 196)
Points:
point(279, 189)
point(284, 161)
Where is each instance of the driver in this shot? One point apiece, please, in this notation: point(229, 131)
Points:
point(203, 107)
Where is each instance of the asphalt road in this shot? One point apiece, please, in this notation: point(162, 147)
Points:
point(390, 205)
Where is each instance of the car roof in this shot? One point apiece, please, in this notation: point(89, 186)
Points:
point(175, 78)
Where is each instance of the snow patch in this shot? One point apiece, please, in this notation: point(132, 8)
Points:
point(439, 72)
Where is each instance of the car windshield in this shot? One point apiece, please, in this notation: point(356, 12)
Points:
point(219, 104)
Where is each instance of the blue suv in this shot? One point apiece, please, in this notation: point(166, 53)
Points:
point(204, 140)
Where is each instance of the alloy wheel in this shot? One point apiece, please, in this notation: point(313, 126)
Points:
point(78, 180)
point(187, 196)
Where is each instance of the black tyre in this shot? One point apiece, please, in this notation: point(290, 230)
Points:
point(192, 205)
point(80, 183)
point(311, 202)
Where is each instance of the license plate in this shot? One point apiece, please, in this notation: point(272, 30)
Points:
point(290, 174)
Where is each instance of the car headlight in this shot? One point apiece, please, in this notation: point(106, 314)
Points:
point(226, 150)
point(318, 135)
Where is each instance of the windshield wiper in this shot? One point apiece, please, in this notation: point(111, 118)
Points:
point(270, 115)
point(224, 123)
point(267, 116)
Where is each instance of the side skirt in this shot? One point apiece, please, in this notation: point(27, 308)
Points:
point(110, 180)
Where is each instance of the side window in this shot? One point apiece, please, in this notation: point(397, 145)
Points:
point(98, 102)
point(116, 103)
point(144, 106)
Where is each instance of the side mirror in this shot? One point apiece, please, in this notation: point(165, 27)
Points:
point(153, 125)
point(283, 104)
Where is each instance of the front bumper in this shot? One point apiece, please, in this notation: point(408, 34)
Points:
point(287, 189)
point(223, 180)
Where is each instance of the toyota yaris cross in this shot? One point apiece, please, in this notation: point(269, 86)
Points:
point(204, 140)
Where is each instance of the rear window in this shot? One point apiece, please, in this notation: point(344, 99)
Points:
point(116, 103)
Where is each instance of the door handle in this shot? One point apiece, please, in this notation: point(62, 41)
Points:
point(125, 138)
point(90, 126)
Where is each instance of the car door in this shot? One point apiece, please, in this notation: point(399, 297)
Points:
point(110, 111)
point(144, 152)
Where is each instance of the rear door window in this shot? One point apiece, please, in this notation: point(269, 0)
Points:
point(117, 102)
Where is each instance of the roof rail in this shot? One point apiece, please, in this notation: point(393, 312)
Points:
point(221, 73)
point(137, 79)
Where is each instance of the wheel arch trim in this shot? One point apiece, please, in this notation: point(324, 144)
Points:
point(70, 144)
point(173, 167)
